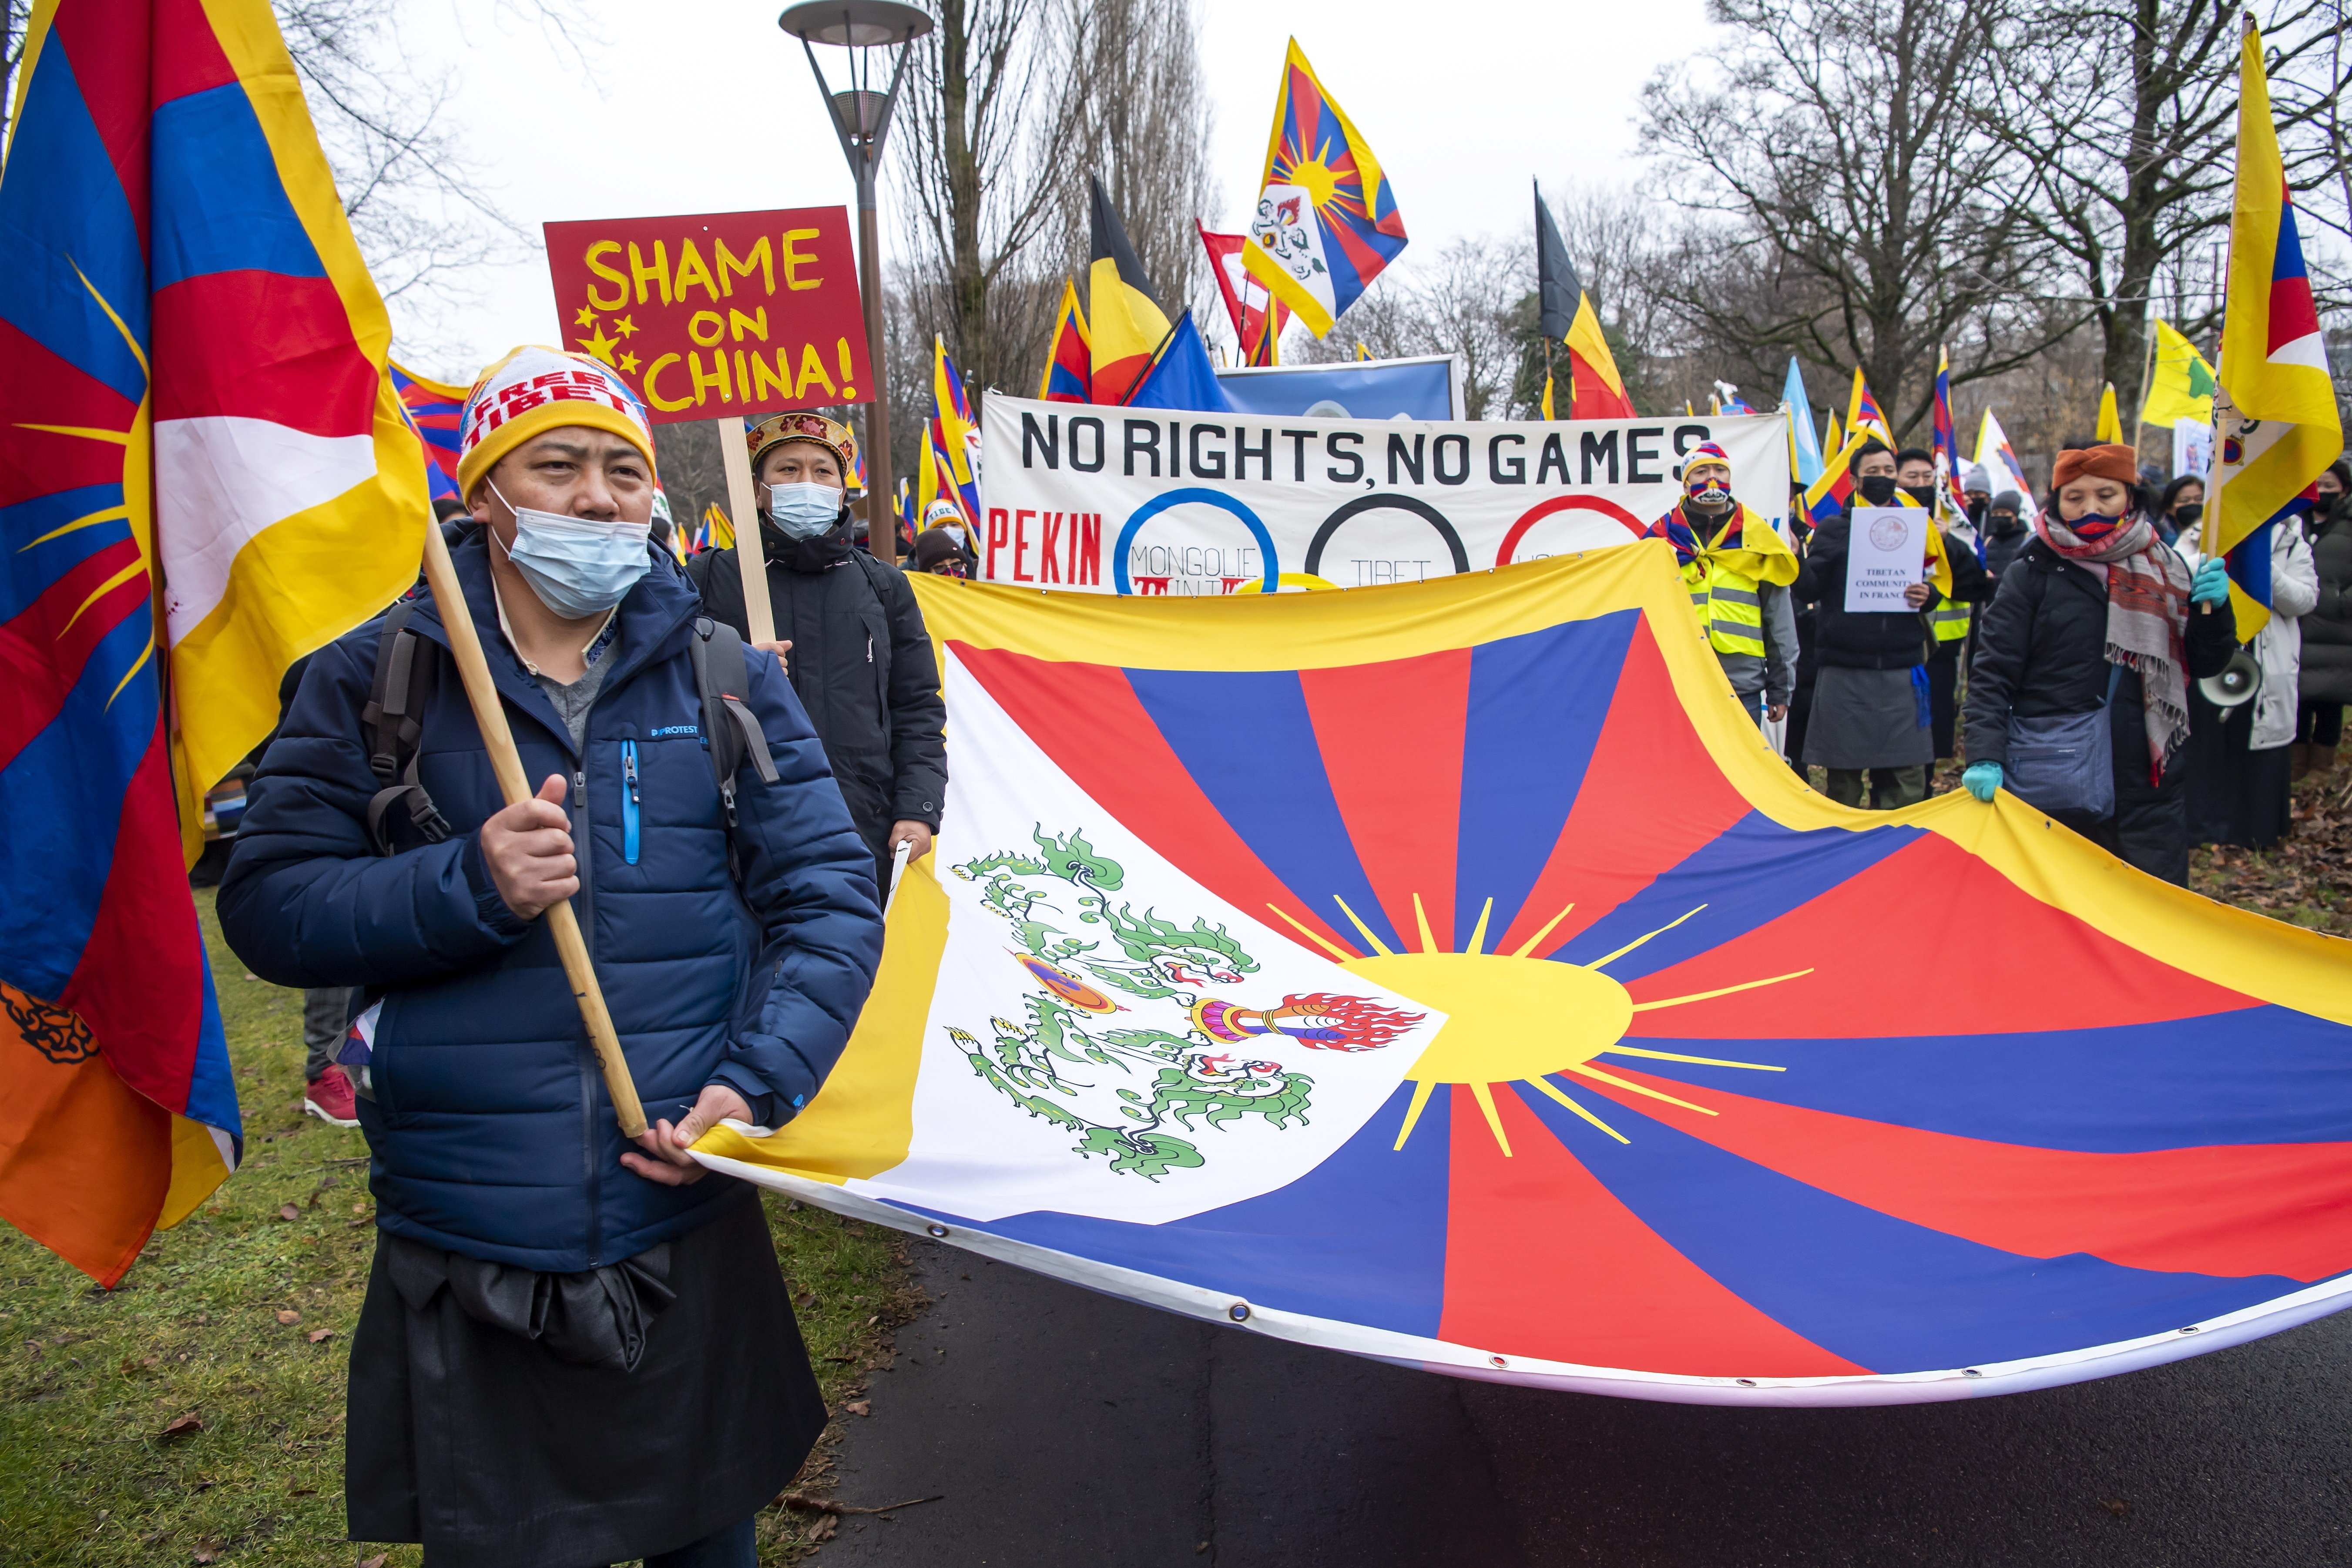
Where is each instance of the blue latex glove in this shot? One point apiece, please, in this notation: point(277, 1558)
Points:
point(1981, 779)
point(2211, 583)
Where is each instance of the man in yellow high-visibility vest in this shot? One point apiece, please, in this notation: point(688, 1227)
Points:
point(1738, 570)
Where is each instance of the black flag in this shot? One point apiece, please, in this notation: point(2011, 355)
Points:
point(1557, 286)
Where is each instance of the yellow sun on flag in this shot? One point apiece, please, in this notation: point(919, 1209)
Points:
point(1315, 178)
point(1514, 1016)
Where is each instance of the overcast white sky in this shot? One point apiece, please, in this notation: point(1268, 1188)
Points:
point(704, 106)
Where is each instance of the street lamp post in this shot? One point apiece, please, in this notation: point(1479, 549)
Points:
point(861, 118)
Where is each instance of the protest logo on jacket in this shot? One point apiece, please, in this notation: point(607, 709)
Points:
point(1159, 502)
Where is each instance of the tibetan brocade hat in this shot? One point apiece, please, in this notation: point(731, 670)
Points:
point(830, 434)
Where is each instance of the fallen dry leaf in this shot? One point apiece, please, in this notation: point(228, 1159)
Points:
point(187, 1426)
point(288, 1315)
point(805, 1298)
point(2115, 1506)
point(288, 1211)
point(859, 1407)
point(825, 1527)
point(209, 1552)
point(375, 1562)
point(318, 1335)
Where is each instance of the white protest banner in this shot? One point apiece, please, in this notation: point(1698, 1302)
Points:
point(1134, 500)
point(1888, 552)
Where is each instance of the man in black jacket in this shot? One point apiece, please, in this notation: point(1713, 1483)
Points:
point(1948, 622)
point(848, 632)
point(1870, 713)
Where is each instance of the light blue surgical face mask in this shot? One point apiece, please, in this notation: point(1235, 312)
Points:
point(578, 566)
point(804, 511)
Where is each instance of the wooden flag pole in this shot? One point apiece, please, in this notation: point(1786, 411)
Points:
point(743, 510)
point(449, 598)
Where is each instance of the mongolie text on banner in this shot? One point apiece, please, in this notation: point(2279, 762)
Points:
point(718, 313)
point(1116, 501)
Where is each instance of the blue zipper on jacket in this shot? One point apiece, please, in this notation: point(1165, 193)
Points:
point(629, 801)
point(585, 900)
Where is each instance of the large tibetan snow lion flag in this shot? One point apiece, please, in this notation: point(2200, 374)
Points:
point(204, 475)
point(1449, 973)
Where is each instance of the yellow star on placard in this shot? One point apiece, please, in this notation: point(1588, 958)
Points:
point(586, 317)
point(628, 364)
point(600, 346)
point(624, 325)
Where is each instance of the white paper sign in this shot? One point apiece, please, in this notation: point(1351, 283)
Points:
point(1888, 554)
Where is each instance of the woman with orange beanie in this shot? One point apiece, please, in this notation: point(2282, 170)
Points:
point(2078, 698)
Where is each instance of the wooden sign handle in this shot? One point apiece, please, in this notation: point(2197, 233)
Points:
point(744, 511)
point(449, 598)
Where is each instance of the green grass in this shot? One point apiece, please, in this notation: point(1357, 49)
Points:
point(91, 1380)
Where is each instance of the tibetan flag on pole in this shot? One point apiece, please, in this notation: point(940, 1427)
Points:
point(434, 408)
point(1953, 503)
point(1125, 320)
point(1827, 496)
point(951, 468)
point(2275, 421)
point(1276, 971)
point(718, 533)
point(1999, 460)
point(204, 474)
point(1257, 316)
point(1804, 444)
point(1861, 413)
point(1835, 438)
point(1327, 222)
point(1069, 364)
point(2110, 432)
point(2180, 384)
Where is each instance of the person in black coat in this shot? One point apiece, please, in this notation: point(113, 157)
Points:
point(2005, 539)
point(1915, 472)
point(848, 632)
point(1869, 714)
point(2099, 611)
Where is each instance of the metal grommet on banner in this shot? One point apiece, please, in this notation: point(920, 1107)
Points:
point(1744, 1382)
point(2189, 1330)
point(1970, 1372)
point(939, 1231)
point(1496, 1361)
point(1238, 1312)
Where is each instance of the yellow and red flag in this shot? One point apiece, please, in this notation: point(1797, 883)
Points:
point(1129, 322)
point(1862, 416)
point(2275, 424)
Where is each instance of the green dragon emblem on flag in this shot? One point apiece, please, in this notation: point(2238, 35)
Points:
point(1128, 1091)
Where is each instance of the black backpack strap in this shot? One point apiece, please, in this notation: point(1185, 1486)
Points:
point(730, 727)
point(406, 672)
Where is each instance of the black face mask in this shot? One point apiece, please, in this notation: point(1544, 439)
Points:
point(1924, 494)
point(2186, 514)
point(1976, 511)
point(2003, 523)
point(1878, 490)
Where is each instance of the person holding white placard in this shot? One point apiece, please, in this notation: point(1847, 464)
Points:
point(1870, 715)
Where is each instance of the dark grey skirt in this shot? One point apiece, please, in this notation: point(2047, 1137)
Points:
point(489, 1449)
point(1867, 719)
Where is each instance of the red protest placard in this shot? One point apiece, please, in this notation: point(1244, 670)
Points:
point(717, 313)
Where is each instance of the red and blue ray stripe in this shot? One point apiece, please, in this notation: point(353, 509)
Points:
point(1903, 1177)
point(435, 420)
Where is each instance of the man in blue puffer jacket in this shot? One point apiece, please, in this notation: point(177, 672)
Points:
point(572, 1350)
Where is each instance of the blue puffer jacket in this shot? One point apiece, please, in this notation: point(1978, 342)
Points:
point(490, 1129)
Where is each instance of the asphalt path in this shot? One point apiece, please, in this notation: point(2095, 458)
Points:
point(1060, 1428)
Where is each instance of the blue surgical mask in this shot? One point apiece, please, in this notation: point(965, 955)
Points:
point(804, 511)
point(578, 566)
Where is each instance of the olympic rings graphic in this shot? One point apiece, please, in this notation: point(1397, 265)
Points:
point(1160, 503)
point(1421, 509)
point(1542, 510)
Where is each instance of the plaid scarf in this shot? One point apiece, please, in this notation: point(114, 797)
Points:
point(2147, 620)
